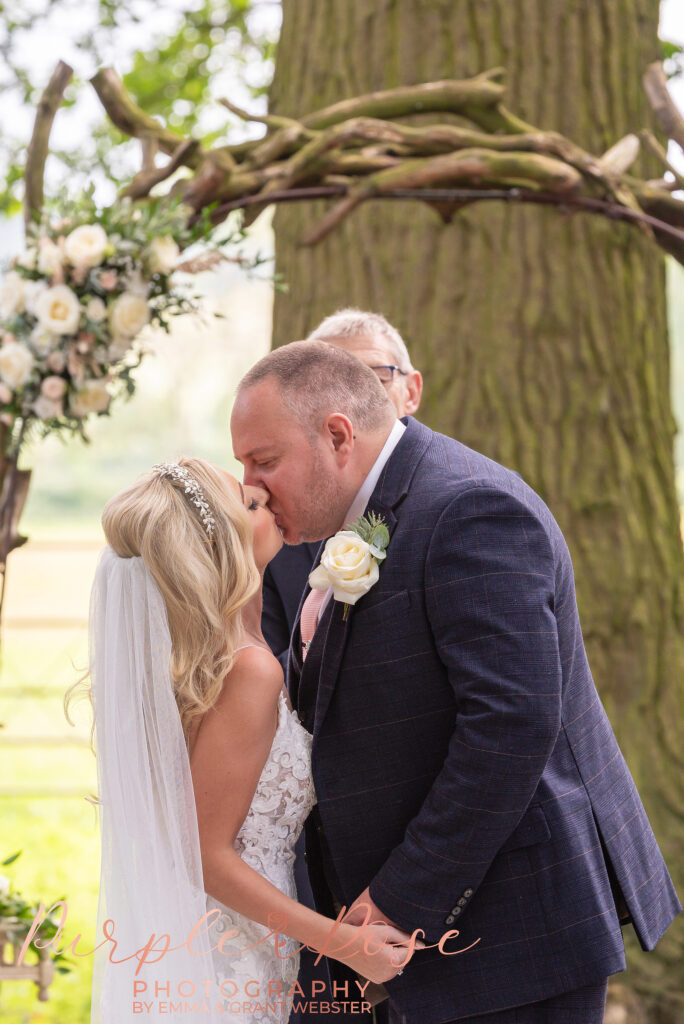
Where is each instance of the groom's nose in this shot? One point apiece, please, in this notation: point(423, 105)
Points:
point(252, 478)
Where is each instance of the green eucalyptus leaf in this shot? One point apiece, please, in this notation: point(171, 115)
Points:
point(380, 536)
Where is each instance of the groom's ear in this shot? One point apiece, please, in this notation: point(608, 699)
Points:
point(339, 434)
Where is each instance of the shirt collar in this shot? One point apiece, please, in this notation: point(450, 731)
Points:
point(358, 505)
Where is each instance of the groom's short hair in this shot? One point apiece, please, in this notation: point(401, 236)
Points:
point(315, 379)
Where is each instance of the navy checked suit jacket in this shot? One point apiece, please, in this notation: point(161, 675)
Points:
point(463, 762)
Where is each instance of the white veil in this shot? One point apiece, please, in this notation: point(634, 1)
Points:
point(151, 871)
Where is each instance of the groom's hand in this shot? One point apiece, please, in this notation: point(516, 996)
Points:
point(360, 908)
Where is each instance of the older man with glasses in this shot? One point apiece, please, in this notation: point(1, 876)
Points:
point(373, 340)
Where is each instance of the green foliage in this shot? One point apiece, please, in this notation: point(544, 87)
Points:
point(673, 57)
point(172, 80)
point(372, 529)
point(170, 76)
point(19, 914)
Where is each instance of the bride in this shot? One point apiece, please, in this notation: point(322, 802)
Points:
point(204, 770)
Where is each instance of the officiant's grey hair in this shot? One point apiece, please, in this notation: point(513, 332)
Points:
point(315, 379)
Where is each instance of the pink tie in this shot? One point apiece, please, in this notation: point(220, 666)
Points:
point(309, 617)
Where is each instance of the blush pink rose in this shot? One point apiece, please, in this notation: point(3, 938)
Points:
point(53, 388)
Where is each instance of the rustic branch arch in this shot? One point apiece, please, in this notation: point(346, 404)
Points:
point(357, 150)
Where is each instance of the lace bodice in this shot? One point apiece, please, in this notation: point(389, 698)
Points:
point(256, 982)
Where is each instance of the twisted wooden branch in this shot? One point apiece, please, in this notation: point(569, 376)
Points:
point(144, 182)
point(130, 119)
point(671, 121)
point(358, 150)
point(37, 151)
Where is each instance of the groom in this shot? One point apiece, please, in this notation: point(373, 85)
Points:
point(468, 779)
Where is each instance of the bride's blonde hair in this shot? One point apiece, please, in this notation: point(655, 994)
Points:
point(204, 582)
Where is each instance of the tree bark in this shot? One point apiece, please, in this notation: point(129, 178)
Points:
point(543, 341)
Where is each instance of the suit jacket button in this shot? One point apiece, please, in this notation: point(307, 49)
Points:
point(449, 919)
point(467, 893)
point(462, 902)
point(455, 911)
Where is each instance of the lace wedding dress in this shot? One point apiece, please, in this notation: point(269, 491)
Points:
point(255, 983)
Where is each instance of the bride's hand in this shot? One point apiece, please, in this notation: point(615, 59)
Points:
point(376, 951)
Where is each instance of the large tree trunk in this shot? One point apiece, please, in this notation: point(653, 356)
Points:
point(542, 338)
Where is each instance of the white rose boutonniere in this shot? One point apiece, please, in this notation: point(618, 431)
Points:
point(351, 559)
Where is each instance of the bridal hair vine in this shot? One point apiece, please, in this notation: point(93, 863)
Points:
point(192, 488)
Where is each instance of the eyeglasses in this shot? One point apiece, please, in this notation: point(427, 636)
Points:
point(386, 373)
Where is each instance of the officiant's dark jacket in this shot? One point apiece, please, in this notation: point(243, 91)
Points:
point(284, 580)
point(462, 758)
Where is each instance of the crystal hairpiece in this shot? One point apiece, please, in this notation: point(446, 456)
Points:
point(192, 488)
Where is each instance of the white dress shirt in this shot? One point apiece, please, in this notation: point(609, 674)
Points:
point(358, 505)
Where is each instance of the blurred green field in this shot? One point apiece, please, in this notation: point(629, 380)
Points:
point(42, 756)
point(60, 858)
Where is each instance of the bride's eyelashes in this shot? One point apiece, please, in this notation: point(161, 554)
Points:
point(253, 505)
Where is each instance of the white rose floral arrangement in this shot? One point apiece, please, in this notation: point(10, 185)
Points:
point(350, 562)
point(73, 305)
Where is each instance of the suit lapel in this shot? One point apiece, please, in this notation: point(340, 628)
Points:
point(323, 669)
point(295, 661)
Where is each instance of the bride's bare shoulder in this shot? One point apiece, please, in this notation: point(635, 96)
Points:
point(247, 705)
point(255, 675)
point(257, 660)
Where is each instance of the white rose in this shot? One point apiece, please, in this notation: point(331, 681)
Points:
point(162, 255)
point(128, 315)
point(348, 566)
point(16, 364)
point(28, 259)
point(42, 340)
point(58, 310)
point(85, 246)
point(12, 294)
point(92, 396)
point(47, 409)
point(4, 884)
point(49, 256)
point(32, 292)
point(96, 310)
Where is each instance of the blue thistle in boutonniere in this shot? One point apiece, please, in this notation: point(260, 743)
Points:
point(350, 560)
